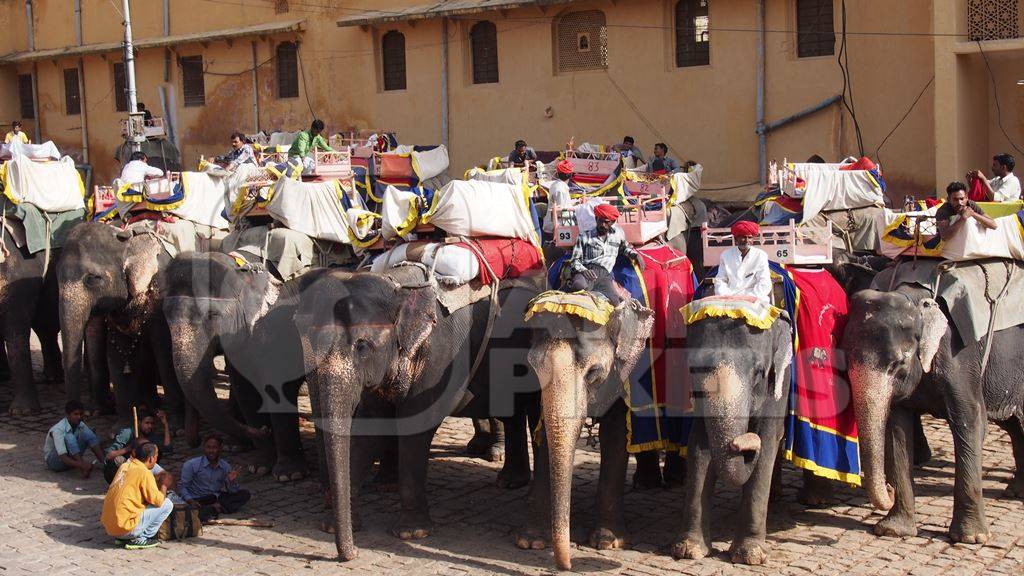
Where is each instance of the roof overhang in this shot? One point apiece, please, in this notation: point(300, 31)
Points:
point(161, 42)
point(448, 9)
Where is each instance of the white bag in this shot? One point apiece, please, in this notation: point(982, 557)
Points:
point(476, 208)
point(49, 186)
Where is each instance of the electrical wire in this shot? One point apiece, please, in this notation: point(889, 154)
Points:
point(878, 156)
point(843, 60)
point(995, 94)
point(305, 90)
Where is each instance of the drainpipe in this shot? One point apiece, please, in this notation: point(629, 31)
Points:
point(167, 32)
point(129, 67)
point(444, 82)
point(35, 72)
point(83, 112)
point(762, 135)
point(255, 93)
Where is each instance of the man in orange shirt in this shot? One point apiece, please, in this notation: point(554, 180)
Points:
point(135, 506)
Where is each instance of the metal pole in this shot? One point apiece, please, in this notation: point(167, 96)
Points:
point(129, 67)
point(255, 93)
point(762, 136)
point(444, 82)
point(38, 131)
point(81, 85)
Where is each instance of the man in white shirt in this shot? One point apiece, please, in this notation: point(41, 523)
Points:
point(558, 193)
point(1004, 185)
point(138, 170)
point(744, 271)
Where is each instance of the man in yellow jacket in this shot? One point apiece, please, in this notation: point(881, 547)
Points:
point(135, 506)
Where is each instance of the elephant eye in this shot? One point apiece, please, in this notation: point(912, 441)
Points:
point(363, 348)
point(93, 280)
point(594, 376)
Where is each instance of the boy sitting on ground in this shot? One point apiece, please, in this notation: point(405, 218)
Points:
point(121, 448)
point(67, 442)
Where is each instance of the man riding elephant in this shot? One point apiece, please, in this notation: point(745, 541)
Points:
point(743, 271)
point(595, 254)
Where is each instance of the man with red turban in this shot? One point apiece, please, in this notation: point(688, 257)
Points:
point(743, 270)
point(595, 254)
point(558, 193)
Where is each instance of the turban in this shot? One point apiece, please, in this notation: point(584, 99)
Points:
point(745, 228)
point(565, 167)
point(606, 212)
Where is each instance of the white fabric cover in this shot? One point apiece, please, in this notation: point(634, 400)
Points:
point(475, 208)
point(205, 200)
point(311, 208)
point(455, 264)
point(685, 185)
point(837, 190)
point(45, 151)
point(588, 148)
point(585, 219)
point(974, 241)
point(283, 138)
point(426, 164)
point(394, 210)
point(49, 186)
point(513, 176)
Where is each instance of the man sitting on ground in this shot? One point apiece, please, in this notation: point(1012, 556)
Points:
point(744, 270)
point(521, 154)
point(121, 448)
point(595, 254)
point(68, 440)
point(1004, 186)
point(209, 483)
point(661, 163)
point(135, 505)
point(138, 170)
point(305, 145)
point(950, 217)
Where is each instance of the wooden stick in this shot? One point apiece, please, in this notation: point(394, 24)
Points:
point(135, 421)
point(239, 522)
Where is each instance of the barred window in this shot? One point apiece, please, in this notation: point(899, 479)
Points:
point(192, 81)
point(393, 56)
point(815, 30)
point(693, 44)
point(582, 41)
point(992, 19)
point(72, 98)
point(484, 41)
point(120, 88)
point(287, 64)
point(28, 109)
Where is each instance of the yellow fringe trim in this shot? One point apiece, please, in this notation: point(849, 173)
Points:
point(543, 303)
point(702, 313)
point(848, 477)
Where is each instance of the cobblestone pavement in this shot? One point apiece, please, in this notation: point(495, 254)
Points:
point(49, 522)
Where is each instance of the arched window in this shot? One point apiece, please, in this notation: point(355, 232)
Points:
point(992, 19)
point(287, 64)
point(393, 56)
point(582, 41)
point(693, 43)
point(483, 37)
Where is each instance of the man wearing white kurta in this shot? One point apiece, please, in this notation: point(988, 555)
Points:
point(743, 270)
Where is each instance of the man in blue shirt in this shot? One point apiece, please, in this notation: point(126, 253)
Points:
point(124, 442)
point(209, 483)
point(68, 440)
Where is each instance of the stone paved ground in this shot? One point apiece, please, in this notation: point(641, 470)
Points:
point(49, 522)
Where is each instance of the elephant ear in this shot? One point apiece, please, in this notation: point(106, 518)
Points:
point(782, 354)
point(416, 320)
point(933, 327)
point(629, 327)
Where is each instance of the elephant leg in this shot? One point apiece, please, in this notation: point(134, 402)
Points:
point(386, 478)
point(53, 371)
point(675, 469)
point(124, 398)
point(97, 363)
point(536, 534)
point(516, 471)
point(144, 374)
point(1015, 488)
point(748, 544)
point(922, 451)
point(413, 453)
point(816, 491)
point(174, 399)
point(648, 470)
point(249, 403)
point(290, 461)
point(16, 334)
point(694, 541)
point(5, 365)
point(969, 524)
point(610, 532)
point(899, 448)
point(488, 440)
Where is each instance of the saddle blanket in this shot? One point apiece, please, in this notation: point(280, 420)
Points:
point(754, 312)
point(50, 186)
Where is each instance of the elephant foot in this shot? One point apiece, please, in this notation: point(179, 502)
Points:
point(816, 492)
point(25, 405)
point(531, 539)
point(969, 531)
point(690, 548)
point(480, 443)
point(646, 480)
point(511, 479)
point(412, 526)
point(749, 551)
point(289, 471)
point(1015, 488)
point(495, 453)
point(896, 526)
point(608, 538)
point(922, 453)
point(259, 469)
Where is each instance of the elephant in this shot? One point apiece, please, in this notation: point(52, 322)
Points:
point(906, 358)
point(581, 366)
point(109, 300)
point(740, 377)
point(388, 360)
point(216, 305)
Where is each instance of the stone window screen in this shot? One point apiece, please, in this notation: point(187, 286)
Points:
point(993, 19)
point(582, 41)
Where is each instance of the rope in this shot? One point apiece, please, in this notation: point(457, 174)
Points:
point(993, 306)
point(46, 251)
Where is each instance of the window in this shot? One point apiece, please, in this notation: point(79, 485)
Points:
point(192, 81)
point(280, 6)
point(992, 19)
point(582, 41)
point(815, 31)
point(693, 45)
point(287, 70)
point(28, 110)
point(120, 88)
point(72, 100)
point(483, 38)
point(393, 52)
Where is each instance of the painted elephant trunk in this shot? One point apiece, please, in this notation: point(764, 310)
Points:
point(337, 410)
point(193, 365)
point(872, 392)
point(74, 315)
point(727, 410)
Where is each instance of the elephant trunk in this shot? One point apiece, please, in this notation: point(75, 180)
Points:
point(564, 401)
point(336, 410)
point(727, 407)
point(872, 391)
point(193, 365)
point(74, 315)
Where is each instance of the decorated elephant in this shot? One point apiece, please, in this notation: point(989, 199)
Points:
point(110, 301)
point(215, 304)
point(581, 364)
point(905, 358)
point(388, 359)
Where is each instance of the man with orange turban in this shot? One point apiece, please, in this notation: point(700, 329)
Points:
point(558, 193)
point(595, 254)
point(744, 270)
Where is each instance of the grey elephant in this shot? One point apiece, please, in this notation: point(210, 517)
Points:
point(740, 380)
point(906, 358)
point(109, 309)
point(581, 366)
